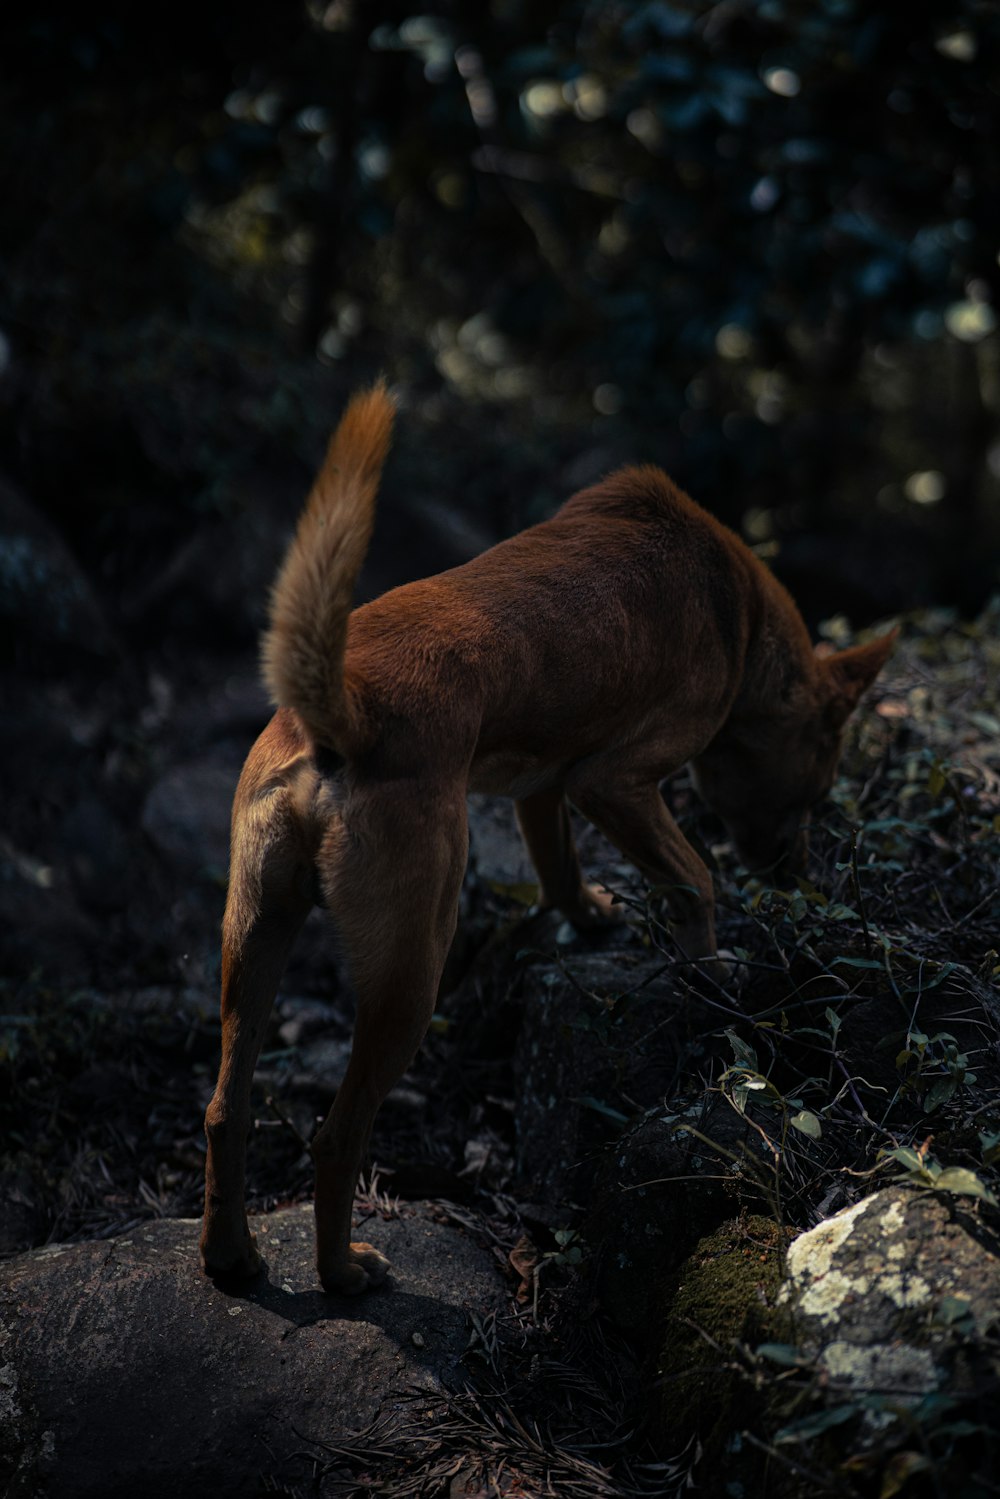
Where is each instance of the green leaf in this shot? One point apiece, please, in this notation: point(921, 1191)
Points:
point(937, 978)
point(898, 1471)
point(600, 1107)
point(782, 1353)
point(990, 1144)
point(964, 1183)
point(742, 1052)
point(807, 889)
point(858, 962)
point(747, 1084)
point(814, 1425)
point(906, 1156)
point(939, 1094)
point(808, 1123)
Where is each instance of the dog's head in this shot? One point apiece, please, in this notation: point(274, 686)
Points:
point(764, 773)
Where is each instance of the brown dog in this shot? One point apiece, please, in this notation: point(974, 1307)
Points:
point(581, 661)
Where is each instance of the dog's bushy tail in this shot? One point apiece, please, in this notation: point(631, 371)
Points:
point(303, 648)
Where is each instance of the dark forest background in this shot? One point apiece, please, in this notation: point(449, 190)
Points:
point(754, 241)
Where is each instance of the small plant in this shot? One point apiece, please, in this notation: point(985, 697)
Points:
point(920, 1168)
point(934, 1062)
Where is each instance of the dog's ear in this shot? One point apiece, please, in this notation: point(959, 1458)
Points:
point(850, 673)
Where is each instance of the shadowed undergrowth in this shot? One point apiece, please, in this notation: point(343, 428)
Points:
point(861, 1044)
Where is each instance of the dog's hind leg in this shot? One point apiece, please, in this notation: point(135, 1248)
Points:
point(545, 827)
point(268, 901)
point(391, 873)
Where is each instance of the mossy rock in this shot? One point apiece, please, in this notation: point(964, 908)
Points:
point(666, 1184)
point(722, 1300)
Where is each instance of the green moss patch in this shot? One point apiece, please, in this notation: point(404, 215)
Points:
point(720, 1306)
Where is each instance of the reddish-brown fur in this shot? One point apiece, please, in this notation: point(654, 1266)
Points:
point(581, 661)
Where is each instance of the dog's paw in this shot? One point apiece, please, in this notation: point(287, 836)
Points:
point(364, 1267)
point(224, 1260)
point(594, 908)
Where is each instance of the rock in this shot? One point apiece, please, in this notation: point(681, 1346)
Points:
point(669, 1180)
point(497, 855)
point(723, 1297)
point(596, 1038)
point(599, 1043)
point(604, 1036)
point(186, 815)
point(212, 581)
point(583, 1038)
point(873, 1359)
point(123, 1370)
point(886, 1295)
point(46, 601)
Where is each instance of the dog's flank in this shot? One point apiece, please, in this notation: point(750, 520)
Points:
point(580, 663)
point(303, 650)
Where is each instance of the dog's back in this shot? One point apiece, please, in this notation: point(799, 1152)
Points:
point(556, 641)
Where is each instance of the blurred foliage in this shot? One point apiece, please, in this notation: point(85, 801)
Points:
point(754, 240)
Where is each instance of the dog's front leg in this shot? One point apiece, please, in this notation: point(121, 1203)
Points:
point(545, 827)
point(633, 815)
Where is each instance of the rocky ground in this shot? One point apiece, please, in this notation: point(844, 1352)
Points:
point(645, 1230)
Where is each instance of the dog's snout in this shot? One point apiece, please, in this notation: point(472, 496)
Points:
point(778, 851)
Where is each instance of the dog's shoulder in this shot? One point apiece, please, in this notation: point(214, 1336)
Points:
point(641, 493)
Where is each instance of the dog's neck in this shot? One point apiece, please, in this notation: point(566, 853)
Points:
point(780, 661)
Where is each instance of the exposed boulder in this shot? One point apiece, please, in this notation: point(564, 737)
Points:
point(709, 1315)
point(888, 1297)
point(595, 1026)
point(669, 1180)
point(873, 1360)
point(123, 1370)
